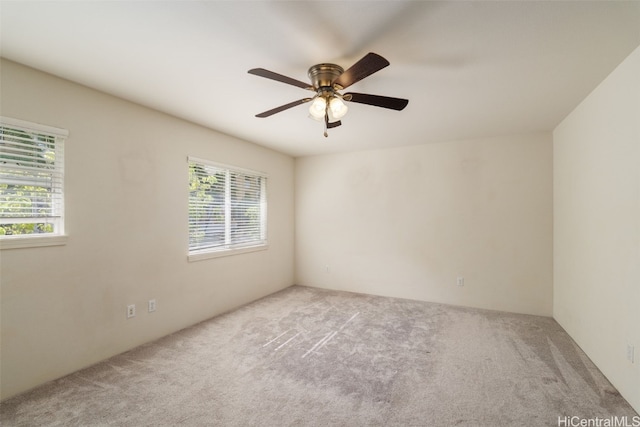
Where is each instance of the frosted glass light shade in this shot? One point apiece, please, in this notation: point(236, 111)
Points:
point(317, 108)
point(337, 107)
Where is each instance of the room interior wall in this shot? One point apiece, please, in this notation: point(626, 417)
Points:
point(126, 189)
point(407, 222)
point(597, 226)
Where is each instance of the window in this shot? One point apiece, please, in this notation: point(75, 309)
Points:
point(227, 209)
point(31, 180)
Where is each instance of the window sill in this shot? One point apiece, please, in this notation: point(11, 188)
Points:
point(207, 254)
point(21, 242)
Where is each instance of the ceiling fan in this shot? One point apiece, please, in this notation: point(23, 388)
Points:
point(326, 81)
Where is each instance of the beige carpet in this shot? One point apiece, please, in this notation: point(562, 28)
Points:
point(309, 357)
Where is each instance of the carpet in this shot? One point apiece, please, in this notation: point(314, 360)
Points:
point(311, 357)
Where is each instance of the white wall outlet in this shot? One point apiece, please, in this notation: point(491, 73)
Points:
point(460, 281)
point(630, 353)
point(131, 311)
point(152, 305)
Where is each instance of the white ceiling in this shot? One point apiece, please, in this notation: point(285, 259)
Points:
point(469, 69)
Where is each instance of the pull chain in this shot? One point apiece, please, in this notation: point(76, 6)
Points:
point(326, 120)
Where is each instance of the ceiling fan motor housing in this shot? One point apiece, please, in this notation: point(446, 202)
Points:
point(323, 75)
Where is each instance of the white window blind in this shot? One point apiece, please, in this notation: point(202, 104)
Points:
point(227, 207)
point(31, 178)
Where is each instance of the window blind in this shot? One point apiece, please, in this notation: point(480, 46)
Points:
point(31, 178)
point(227, 207)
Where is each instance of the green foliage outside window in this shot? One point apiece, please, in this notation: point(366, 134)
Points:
point(206, 206)
point(225, 207)
point(26, 188)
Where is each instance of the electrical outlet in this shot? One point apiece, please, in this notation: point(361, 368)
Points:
point(460, 281)
point(131, 311)
point(630, 353)
point(152, 305)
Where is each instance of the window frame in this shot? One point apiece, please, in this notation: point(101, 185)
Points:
point(58, 237)
point(230, 248)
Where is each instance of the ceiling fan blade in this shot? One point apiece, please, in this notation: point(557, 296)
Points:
point(369, 64)
point(377, 100)
point(283, 107)
point(331, 125)
point(279, 78)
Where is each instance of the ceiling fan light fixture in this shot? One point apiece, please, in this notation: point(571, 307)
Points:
point(338, 108)
point(318, 108)
point(327, 80)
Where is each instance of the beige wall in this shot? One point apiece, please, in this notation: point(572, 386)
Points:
point(597, 226)
point(63, 307)
point(406, 222)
